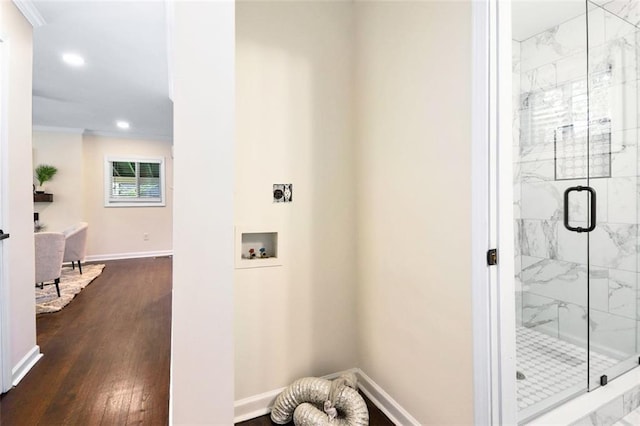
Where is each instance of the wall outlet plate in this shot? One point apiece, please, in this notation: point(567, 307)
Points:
point(282, 192)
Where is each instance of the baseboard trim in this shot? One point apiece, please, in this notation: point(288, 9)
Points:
point(254, 406)
point(384, 402)
point(25, 365)
point(133, 255)
point(259, 405)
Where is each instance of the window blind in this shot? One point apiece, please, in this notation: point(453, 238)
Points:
point(133, 181)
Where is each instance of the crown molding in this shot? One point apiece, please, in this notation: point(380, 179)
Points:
point(56, 129)
point(115, 135)
point(30, 12)
point(138, 136)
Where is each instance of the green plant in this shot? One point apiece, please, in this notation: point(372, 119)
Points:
point(45, 172)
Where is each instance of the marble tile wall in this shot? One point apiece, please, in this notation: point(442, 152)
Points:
point(515, 85)
point(550, 91)
point(618, 412)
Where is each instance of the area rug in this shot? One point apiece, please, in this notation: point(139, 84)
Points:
point(71, 283)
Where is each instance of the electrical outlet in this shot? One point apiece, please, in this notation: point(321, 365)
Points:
point(145, 236)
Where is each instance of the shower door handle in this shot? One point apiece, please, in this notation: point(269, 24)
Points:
point(592, 205)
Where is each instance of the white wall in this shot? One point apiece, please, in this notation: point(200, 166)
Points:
point(18, 219)
point(118, 230)
point(64, 151)
point(294, 125)
point(202, 310)
point(414, 237)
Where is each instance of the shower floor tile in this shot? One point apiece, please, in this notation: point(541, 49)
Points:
point(551, 366)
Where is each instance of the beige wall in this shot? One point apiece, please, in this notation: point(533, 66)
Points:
point(64, 151)
point(294, 125)
point(414, 236)
point(120, 230)
point(364, 109)
point(18, 211)
point(78, 193)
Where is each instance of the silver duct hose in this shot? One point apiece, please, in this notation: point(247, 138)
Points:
point(318, 402)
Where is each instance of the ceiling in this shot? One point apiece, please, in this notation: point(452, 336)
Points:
point(125, 76)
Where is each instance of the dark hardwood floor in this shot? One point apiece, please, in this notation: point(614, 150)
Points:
point(376, 417)
point(106, 355)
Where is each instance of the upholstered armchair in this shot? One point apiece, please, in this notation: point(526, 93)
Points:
point(76, 245)
point(49, 252)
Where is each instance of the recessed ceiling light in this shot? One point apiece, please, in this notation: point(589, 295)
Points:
point(123, 124)
point(73, 59)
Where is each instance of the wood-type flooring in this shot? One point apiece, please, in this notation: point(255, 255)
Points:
point(106, 355)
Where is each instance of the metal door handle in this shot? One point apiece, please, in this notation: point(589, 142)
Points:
point(3, 236)
point(592, 202)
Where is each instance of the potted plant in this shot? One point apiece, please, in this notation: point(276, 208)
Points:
point(44, 173)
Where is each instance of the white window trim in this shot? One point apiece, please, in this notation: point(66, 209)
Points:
point(109, 202)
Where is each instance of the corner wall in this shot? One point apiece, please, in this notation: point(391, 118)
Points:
point(413, 77)
point(18, 220)
point(295, 125)
point(64, 151)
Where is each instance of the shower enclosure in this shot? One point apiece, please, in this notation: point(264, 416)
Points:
point(576, 162)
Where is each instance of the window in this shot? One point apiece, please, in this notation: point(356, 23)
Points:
point(134, 182)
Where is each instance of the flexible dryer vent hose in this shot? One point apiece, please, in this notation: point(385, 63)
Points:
point(318, 402)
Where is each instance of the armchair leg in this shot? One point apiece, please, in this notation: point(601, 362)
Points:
point(57, 281)
point(73, 265)
point(80, 267)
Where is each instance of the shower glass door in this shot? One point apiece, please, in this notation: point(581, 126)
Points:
point(554, 201)
point(612, 317)
point(575, 79)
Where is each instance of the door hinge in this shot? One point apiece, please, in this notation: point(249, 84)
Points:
point(492, 257)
